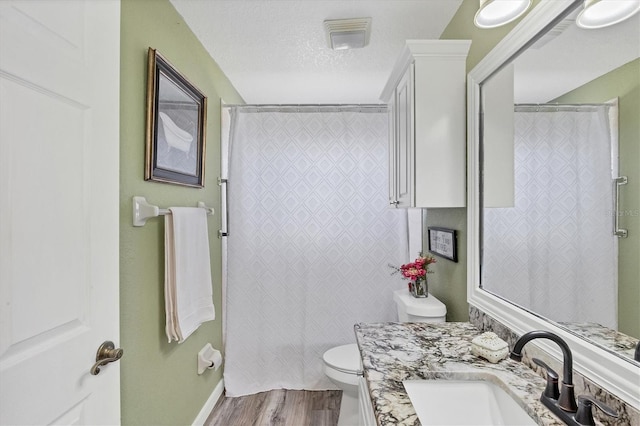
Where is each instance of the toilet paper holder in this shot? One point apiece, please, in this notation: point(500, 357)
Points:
point(209, 359)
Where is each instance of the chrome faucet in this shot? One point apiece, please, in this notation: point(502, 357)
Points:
point(563, 402)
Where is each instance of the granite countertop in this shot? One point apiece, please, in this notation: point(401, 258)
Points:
point(609, 339)
point(393, 352)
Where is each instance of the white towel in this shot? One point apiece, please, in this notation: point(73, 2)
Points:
point(188, 289)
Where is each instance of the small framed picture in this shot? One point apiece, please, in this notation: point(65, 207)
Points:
point(443, 242)
point(176, 123)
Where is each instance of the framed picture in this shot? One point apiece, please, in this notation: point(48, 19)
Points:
point(176, 123)
point(443, 242)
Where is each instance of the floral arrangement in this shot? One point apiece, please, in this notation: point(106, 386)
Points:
point(416, 271)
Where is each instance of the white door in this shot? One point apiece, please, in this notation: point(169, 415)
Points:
point(59, 137)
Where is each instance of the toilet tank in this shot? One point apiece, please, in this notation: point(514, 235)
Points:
point(419, 309)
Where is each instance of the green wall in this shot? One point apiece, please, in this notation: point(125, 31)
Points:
point(623, 83)
point(449, 282)
point(159, 382)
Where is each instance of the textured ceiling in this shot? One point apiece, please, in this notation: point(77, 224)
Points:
point(275, 51)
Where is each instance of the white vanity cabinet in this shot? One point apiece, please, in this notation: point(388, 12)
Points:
point(365, 407)
point(427, 128)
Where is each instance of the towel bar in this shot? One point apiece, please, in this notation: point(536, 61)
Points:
point(142, 210)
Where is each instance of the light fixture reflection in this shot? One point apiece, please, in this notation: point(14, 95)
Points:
point(494, 13)
point(603, 13)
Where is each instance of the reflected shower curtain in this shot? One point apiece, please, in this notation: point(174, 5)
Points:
point(554, 252)
point(310, 239)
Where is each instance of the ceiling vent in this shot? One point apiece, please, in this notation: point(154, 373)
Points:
point(348, 33)
point(561, 27)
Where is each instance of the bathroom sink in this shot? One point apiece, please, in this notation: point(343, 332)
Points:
point(464, 402)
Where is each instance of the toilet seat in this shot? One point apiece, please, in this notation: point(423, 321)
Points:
point(345, 359)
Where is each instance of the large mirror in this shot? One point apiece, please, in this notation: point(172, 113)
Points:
point(553, 123)
point(560, 131)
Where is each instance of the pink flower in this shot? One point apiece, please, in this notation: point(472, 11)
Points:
point(416, 270)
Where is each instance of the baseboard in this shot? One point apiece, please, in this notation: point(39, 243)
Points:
point(208, 406)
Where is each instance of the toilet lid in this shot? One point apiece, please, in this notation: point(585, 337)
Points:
point(428, 307)
point(345, 358)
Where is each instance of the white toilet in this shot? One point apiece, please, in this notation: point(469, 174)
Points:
point(419, 309)
point(342, 363)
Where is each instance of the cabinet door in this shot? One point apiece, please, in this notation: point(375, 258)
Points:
point(404, 140)
point(366, 414)
point(393, 154)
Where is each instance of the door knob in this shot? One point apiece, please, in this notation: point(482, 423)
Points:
point(107, 353)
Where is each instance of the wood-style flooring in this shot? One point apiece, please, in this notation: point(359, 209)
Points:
point(278, 408)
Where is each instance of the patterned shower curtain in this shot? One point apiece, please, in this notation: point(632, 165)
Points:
point(311, 236)
point(554, 252)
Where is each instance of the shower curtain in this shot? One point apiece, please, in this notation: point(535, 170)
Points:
point(311, 236)
point(556, 244)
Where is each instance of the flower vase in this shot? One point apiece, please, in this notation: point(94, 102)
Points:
point(420, 288)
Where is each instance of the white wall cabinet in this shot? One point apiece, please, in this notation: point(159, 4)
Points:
point(498, 130)
point(426, 98)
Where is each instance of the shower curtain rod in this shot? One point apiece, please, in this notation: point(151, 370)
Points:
point(312, 107)
point(586, 105)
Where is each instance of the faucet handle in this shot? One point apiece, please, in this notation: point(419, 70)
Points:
point(551, 391)
point(584, 416)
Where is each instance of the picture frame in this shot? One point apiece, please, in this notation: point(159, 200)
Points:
point(443, 242)
point(176, 126)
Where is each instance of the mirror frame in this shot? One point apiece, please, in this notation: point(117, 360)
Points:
point(616, 375)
